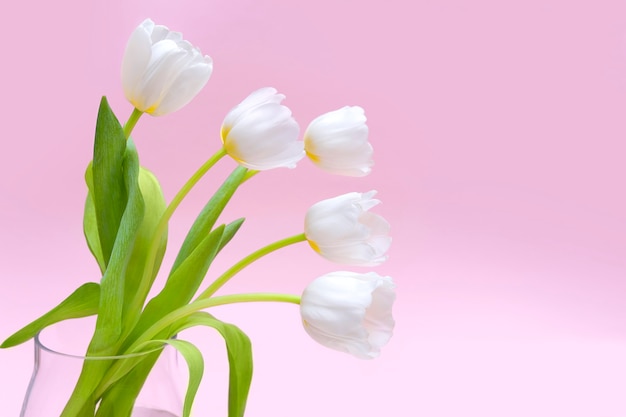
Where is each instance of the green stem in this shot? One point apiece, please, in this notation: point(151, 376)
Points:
point(197, 305)
point(147, 278)
point(249, 175)
point(222, 279)
point(132, 121)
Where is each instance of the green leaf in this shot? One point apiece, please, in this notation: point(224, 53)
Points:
point(109, 324)
point(229, 232)
point(90, 222)
point(109, 192)
point(155, 206)
point(209, 214)
point(239, 351)
point(81, 303)
point(195, 363)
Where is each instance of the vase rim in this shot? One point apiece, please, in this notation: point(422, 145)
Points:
point(70, 353)
point(42, 346)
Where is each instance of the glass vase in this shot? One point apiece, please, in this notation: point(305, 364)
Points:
point(59, 359)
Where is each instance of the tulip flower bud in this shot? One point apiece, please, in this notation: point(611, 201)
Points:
point(162, 72)
point(342, 230)
point(337, 142)
point(349, 312)
point(261, 134)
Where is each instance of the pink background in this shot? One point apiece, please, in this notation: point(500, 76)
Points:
point(498, 129)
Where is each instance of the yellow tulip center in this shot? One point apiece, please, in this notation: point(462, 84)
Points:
point(312, 156)
point(314, 246)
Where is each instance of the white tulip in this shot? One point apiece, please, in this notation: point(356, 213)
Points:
point(260, 133)
point(342, 230)
point(162, 72)
point(337, 142)
point(349, 312)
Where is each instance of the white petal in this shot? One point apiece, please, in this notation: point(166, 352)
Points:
point(135, 61)
point(185, 87)
point(259, 97)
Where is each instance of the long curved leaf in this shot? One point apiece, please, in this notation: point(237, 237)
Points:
point(155, 205)
point(239, 351)
point(109, 324)
point(109, 191)
point(82, 302)
point(90, 222)
point(209, 214)
point(195, 363)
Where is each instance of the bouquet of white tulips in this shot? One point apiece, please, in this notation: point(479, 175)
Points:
point(126, 219)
